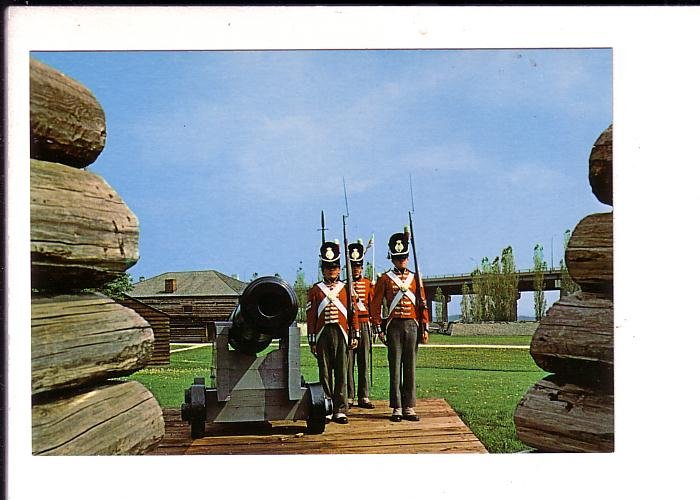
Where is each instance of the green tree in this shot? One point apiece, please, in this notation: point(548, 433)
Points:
point(482, 309)
point(540, 267)
point(115, 289)
point(567, 286)
point(494, 290)
point(301, 290)
point(439, 306)
point(465, 304)
point(509, 285)
point(369, 271)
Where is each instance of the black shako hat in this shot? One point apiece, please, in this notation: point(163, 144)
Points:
point(398, 245)
point(356, 252)
point(330, 254)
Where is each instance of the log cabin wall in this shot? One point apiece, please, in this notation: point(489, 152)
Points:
point(191, 299)
point(82, 236)
point(572, 410)
point(189, 315)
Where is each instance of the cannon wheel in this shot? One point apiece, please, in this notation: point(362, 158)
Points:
point(194, 408)
point(319, 406)
point(197, 427)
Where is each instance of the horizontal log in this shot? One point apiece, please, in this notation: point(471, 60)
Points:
point(67, 122)
point(81, 340)
point(576, 339)
point(117, 418)
point(600, 167)
point(82, 233)
point(589, 254)
point(557, 416)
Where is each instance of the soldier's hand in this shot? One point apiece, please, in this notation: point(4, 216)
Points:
point(382, 337)
point(353, 343)
point(313, 349)
point(425, 337)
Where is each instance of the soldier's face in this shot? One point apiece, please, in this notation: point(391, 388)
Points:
point(331, 273)
point(356, 272)
point(400, 262)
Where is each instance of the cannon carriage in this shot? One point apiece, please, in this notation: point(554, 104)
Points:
point(246, 387)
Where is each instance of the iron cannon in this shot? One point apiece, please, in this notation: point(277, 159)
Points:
point(246, 387)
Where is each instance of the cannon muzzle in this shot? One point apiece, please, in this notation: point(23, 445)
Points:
point(265, 310)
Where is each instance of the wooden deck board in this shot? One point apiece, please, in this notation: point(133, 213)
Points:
point(440, 430)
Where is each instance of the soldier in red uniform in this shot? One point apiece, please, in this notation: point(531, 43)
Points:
point(399, 330)
point(363, 294)
point(328, 331)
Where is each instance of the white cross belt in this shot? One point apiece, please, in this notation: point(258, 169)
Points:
point(403, 290)
point(331, 298)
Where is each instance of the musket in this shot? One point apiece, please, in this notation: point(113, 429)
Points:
point(348, 284)
point(323, 240)
point(420, 304)
point(369, 333)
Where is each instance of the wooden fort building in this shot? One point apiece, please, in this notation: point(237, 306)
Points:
point(191, 299)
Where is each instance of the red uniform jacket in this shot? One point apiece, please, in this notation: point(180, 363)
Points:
point(328, 304)
point(364, 291)
point(400, 297)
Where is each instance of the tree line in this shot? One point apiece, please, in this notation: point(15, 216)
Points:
point(494, 292)
point(492, 297)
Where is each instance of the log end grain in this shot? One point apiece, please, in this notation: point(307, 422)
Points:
point(600, 167)
point(576, 339)
point(557, 416)
point(589, 254)
point(85, 339)
point(82, 233)
point(67, 122)
point(116, 418)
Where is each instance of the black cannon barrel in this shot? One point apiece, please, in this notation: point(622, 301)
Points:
point(265, 310)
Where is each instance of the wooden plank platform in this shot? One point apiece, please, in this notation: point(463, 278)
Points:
point(440, 430)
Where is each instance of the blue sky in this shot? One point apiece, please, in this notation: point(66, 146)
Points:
point(228, 157)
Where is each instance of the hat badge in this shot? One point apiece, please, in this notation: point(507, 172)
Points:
point(355, 254)
point(398, 247)
point(329, 253)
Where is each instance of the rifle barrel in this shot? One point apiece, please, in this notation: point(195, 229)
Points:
point(419, 284)
point(348, 278)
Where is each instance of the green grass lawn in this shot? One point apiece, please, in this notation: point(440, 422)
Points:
point(437, 338)
point(482, 385)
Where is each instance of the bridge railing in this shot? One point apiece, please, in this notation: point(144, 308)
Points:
point(464, 275)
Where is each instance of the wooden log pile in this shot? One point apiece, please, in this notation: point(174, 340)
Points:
point(572, 410)
point(82, 236)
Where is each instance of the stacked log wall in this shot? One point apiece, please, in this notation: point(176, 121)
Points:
point(572, 410)
point(82, 236)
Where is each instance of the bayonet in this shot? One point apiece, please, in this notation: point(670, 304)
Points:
point(420, 304)
point(323, 228)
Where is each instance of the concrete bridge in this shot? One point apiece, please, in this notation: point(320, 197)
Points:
point(451, 284)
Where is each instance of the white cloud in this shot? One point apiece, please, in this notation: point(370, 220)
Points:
point(443, 158)
point(536, 176)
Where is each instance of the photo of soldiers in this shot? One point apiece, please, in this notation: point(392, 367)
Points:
point(360, 356)
point(399, 330)
point(329, 334)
